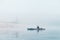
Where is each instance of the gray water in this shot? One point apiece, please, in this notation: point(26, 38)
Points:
point(51, 33)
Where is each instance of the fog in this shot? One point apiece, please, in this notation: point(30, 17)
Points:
point(30, 11)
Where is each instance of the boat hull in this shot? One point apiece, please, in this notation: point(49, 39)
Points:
point(35, 29)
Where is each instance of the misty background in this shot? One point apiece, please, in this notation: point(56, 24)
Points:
point(30, 11)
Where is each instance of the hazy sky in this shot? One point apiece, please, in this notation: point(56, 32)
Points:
point(30, 11)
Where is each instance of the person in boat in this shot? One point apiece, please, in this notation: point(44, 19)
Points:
point(37, 27)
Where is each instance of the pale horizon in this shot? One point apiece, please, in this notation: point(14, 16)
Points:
point(30, 11)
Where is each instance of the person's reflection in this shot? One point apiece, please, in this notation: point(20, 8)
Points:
point(16, 34)
point(37, 30)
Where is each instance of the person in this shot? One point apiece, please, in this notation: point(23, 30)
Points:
point(37, 27)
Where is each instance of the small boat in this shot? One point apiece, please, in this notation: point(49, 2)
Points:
point(31, 28)
point(36, 28)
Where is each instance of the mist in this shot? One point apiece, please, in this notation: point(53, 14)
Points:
point(30, 11)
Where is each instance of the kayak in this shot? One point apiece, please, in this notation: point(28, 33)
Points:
point(35, 29)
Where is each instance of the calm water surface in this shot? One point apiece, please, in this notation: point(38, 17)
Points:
point(51, 33)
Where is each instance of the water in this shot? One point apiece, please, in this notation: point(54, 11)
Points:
point(21, 33)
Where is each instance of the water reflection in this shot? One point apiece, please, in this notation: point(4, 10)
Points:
point(31, 35)
point(16, 34)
